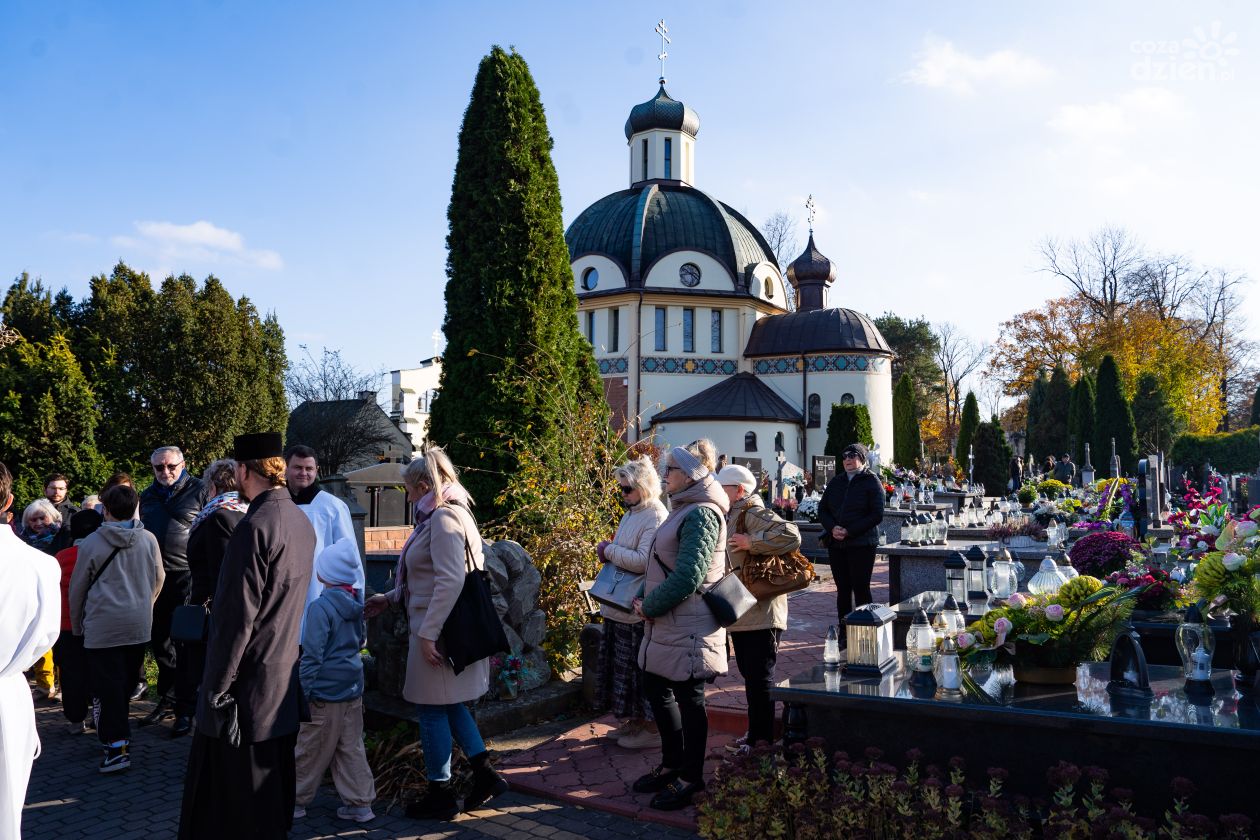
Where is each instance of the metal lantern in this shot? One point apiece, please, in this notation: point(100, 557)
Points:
point(920, 643)
point(953, 619)
point(956, 576)
point(1195, 644)
point(976, 582)
point(1048, 578)
point(869, 634)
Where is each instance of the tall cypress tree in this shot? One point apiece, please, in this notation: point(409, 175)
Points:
point(1156, 423)
point(848, 424)
point(1054, 413)
point(993, 456)
point(967, 425)
point(906, 437)
point(1113, 419)
point(1034, 442)
point(1081, 419)
point(511, 328)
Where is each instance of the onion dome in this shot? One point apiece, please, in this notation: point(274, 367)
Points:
point(662, 111)
point(810, 274)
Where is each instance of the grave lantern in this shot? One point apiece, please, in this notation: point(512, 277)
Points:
point(1048, 578)
point(955, 622)
point(949, 670)
point(956, 576)
point(920, 643)
point(940, 529)
point(1195, 644)
point(976, 589)
point(869, 635)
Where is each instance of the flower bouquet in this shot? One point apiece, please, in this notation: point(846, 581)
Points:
point(1020, 535)
point(512, 670)
point(785, 508)
point(807, 510)
point(1046, 636)
point(1053, 487)
point(1159, 591)
point(1198, 527)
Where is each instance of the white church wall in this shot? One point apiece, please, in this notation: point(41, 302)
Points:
point(713, 275)
point(728, 437)
point(610, 274)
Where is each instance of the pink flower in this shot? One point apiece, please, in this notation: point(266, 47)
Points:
point(1018, 601)
point(1002, 626)
point(1054, 612)
point(965, 640)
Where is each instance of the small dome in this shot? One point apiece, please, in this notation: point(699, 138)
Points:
point(816, 331)
point(811, 266)
point(662, 111)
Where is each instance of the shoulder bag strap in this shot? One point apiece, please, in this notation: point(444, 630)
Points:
point(102, 569)
point(470, 563)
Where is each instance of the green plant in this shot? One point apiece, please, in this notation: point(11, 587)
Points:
point(1081, 417)
point(1053, 487)
point(848, 424)
point(1027, 494)
point(968, 422)
point(1229, 452)
point(1113, 417)
point(906, 437)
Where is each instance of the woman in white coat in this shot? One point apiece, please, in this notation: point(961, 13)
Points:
point(30, 621)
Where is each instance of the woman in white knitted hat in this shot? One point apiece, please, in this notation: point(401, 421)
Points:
point(683, 645)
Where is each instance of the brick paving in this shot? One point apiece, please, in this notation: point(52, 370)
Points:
point(68, 798)
point(581, 766)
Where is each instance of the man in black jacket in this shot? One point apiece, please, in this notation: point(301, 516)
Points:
point(168, 507)
point(851, 509)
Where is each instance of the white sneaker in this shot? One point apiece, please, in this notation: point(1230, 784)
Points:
point(356, 813)
point(298, 812)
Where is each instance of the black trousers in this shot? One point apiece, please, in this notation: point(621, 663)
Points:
point(174, 594)
point(683, 723)
point(113, 672)
point(756, 652)
point(188, 667)
point(851, 567)
point(240, 792)
point(72, 666)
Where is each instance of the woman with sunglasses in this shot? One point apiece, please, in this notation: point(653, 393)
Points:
point(619, 680)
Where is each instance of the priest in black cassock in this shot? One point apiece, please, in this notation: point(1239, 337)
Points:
point(241, 778)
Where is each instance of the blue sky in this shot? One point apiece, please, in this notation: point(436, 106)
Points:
point(303, 152)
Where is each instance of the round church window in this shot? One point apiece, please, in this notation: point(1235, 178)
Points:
point(590, 279)
point(689, 275)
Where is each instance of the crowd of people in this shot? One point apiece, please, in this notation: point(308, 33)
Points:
point(247, 587)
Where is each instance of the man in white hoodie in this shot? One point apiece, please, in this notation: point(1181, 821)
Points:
point(30, 609)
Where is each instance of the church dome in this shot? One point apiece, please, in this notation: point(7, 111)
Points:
point(637, 226)
point(816, 331)
point(662, 111)
point(811, 266)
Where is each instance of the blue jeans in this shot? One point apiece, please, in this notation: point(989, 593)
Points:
point(437, 725)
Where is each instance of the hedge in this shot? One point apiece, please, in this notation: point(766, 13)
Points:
point(1229, 452)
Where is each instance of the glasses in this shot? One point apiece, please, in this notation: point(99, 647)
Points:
point(672, 467)
point(167, 467)
point(625, 491)
point(851, 456)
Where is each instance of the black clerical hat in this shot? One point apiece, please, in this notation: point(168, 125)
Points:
point(256, 446)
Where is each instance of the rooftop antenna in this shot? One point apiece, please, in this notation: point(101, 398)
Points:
point(663, 31)
point(810, 212)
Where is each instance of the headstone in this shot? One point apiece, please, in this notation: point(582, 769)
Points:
point(1154, 490)
point(824, 470)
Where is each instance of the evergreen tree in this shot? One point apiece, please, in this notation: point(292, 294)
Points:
point(906, 438)
point(967, 426)
point(1054, 413)
point(1081, 419)
point(1155, 421)
point(29, 308)
point(1255, 408)
point(1113, 419)
point(914, 346)
point(993, 456)
point(510, 306)
point(848, 424)
point(1034, 443)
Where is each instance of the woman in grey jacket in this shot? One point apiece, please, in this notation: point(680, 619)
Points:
point(619, 679)
point(683, 645)
point(116, 580)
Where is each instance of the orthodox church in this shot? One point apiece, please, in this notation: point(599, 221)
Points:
point(687, 313)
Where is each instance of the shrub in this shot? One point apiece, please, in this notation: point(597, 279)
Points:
point(1027, 495)
point(1102, 552)
point(1053, 487)
point(848, 424)
point(1229, 452)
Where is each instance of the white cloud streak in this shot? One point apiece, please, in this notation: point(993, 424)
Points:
point(942, 66)
point(200, 241)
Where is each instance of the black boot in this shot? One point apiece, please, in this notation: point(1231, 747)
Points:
point(486, 782)
point(160, 712)
point(438, 803)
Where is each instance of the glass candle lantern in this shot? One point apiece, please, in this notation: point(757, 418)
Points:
point(955, 622)
point(1195, 644)
point(920, 643)
point(1004, 577)
point(977, 589)
point(1068, 571)
point(831, 648)
point(940, 529)
point(1048, 578)
point(949, 669)
point(956, 576)
point(869, 635)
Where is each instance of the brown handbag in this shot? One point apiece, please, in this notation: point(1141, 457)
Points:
point(770, 575)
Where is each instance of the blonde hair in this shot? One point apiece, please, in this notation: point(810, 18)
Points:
point(272, 469)
point(642, 476)
point(41, 506)
point(432, 466)
point(705, 451)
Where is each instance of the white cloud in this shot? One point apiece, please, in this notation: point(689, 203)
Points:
point(200, 241)
point(943, 66)
point(1139, 109)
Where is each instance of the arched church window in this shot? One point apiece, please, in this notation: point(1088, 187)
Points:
point(590, 279)
point(689, 275)
point(750, 442)
point(814, 419)
point(778, 441)
point(770, 287)
point(847, 399)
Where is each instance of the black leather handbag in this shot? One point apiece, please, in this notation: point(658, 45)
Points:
point(191, 622)
point(472, 631)
point(728, 599)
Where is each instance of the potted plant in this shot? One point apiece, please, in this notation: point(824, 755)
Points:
point(1027, 495)
point(1227, 579)
point(1102, 552)
point(1160, 593)
point(1045, 637)
point(512, 670)
point(1054, 488)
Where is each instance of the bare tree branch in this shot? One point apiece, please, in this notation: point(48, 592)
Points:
point(1095, 268)
point(958, 357)
point(780, 232)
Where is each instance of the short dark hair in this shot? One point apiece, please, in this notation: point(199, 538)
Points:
point(6, 485)
point(120, 501)
point(299, 450)
point(118, 478)
point(56, 477)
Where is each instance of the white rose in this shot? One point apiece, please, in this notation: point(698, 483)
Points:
point(1233, 561)
point(1210, 530)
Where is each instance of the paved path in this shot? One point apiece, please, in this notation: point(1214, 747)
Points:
point(581, 766)
point(68, 798)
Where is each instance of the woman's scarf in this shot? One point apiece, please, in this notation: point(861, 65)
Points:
point(422, 512)
point(231, 500)
point(41, 539)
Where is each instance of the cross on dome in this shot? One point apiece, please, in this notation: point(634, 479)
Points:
point(663, 31)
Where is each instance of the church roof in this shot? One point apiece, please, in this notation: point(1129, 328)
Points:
point(635, 227)
point(741, 397)
point(662, 111)
point(815, 331)
point(811, 266)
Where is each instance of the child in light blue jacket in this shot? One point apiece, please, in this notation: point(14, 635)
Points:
point(331, 674)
